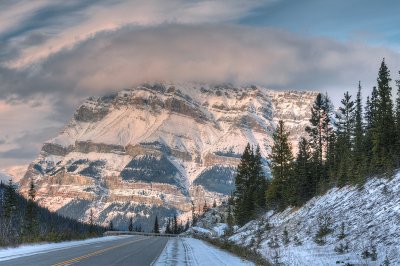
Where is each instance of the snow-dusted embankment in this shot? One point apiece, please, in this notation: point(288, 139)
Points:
point(190, 251)
point(360, 220)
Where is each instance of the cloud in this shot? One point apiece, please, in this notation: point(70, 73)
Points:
point(113, 60)
point(67, 23)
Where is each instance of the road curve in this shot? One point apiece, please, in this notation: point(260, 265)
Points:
point(134, 250)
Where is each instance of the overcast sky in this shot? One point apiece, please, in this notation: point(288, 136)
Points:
point(53, 54)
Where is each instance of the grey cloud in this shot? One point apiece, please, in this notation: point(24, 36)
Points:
point(122, 58)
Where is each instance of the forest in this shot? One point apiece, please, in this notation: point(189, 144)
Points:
point(346, 146)
point(23, 221)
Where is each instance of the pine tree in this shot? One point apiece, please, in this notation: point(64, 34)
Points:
point(281, 162)
point(214, 204)
point(130, 226)
point(229, 222)
point(111, 226)
point(168, 227)
point(242, 211)
point(194, 215)
point(205, 207)
point(156, 228)
point(384, 134)
point(305, 182)
point(175, 225)
point(345, 131)
point(359, 167)
point(370, 115)
point(320, 132)
point(397, 120)
point(91, 222)
point(31, 229)
point(260, 183)
point(10, 200)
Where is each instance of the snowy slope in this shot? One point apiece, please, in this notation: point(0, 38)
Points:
point(157, 147)
point(371, 217)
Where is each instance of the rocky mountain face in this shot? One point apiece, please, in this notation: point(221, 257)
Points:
point(153, 149)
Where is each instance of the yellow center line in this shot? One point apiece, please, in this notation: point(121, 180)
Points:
point(95, 253)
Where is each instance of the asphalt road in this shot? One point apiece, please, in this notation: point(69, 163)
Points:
point(134, 250)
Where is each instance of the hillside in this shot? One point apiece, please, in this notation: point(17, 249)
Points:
point(359, 220)
point(50, 226)
point(156, 148)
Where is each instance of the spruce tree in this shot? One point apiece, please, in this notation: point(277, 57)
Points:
point(305, 182)
point(175, 228)
point(344, 128)
point(397, 120)
point(91, 222)
point(358, 135)
point(320, 132)
point(130, 226)
point(111, 226)
point(242, 211)
point(281, 162)
point(260, 183)
point(10, 200)
point(156, 228)
point(384, 134)
point(31, 229)
point(370, 127)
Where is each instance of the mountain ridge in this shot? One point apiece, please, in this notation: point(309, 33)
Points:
point(159, 144)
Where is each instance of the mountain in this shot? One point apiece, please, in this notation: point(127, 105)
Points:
point(14, 172)
point(152, 149)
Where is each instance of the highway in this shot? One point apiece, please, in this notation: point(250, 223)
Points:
point(132, 250)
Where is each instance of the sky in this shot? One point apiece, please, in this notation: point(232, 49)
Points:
point(54, 54)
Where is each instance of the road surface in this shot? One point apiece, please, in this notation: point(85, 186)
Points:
point(133, 250)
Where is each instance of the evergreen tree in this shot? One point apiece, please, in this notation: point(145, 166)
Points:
point(358, 151)
point(111, 226)
point(345, 131)
point(305, 182)
point(214, 204)
point(10, 200)
point(242, 210)
point(397, 119)
point(320, 132)
point(370, 115)
point(130, 226)
point(281, 162)
point(194, 216)
point(384, 134)
point(187, 225)
point(156, 228)
point(175, 228)
point(205, 207)
point(168, 227)
point(229, 222)
point(91, 222)
point(260, 183)
point(31, 229)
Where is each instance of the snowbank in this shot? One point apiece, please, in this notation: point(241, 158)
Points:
point(189, 251)
point(32, 249)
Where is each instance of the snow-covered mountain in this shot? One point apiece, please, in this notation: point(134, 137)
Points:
point(153, 149)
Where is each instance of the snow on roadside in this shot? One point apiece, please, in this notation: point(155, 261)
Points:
point(32, 249)
point(370, 217)
point(190, 251)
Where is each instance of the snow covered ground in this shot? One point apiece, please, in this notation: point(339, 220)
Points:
point(360, 220)
point(32, 249)
point(190, 251)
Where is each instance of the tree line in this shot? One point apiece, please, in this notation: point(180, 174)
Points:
point(342, 147)
point(23, 221)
